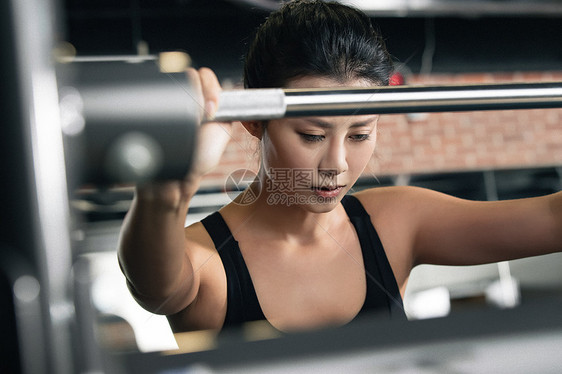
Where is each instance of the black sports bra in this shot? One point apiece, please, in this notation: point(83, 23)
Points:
point(382, 297)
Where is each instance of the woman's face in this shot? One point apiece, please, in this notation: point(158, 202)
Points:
point(314, 161)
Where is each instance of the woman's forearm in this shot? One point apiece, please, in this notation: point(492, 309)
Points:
point(152, 248)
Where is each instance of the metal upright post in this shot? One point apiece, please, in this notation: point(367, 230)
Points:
point(47, 219)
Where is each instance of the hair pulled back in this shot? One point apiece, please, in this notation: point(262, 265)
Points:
point(316, 38)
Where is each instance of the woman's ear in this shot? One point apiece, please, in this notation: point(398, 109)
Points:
point(254, 127)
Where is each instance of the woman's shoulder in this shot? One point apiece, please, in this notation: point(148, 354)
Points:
point(198, 233)
point(374, 194)
point(197, 237)
point(392, 200)
point(381, 196)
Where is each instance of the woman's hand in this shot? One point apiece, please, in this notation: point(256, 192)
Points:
point(213, 136)
point(209, 147)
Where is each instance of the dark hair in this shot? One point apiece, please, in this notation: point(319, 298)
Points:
point(312, 37)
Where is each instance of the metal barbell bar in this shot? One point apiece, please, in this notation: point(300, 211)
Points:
point(139, 124)
point(274, 103)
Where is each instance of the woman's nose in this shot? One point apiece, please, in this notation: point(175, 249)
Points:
point(335, 157)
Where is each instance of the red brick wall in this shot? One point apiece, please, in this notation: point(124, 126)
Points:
point(439, 142)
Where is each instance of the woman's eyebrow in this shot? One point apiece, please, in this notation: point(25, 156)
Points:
point(329, 125)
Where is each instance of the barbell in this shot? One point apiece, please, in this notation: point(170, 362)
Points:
point(276, 103)
point(135, 123)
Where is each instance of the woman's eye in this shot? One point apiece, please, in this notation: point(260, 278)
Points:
point(359, 137)
point(311, 138)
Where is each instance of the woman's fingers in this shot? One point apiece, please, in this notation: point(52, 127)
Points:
point(213, 136)
point(196, 92)
point(206, 88)
point(211, 89)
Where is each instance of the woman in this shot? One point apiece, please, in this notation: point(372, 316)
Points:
point(302, 254)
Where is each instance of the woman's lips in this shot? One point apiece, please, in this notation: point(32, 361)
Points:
point(327, 192)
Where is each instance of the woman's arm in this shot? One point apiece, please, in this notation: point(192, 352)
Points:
point(153, 252)
point(152, 248)
point(420, 226)
point(452, 231)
